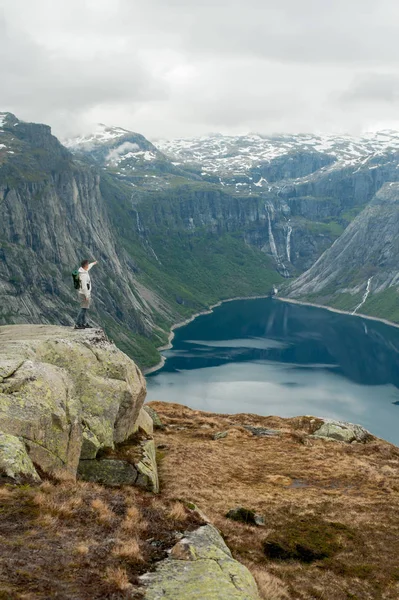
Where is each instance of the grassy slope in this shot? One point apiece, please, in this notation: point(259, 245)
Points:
point(384, 305)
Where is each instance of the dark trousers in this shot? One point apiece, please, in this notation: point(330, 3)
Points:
point(82, 317)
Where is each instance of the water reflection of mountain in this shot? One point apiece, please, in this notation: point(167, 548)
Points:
point(365, 351)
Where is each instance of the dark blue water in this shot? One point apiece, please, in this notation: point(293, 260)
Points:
point(273, 358)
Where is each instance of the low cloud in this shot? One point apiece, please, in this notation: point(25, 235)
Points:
point(183, 68)
point(373, 88)
point(115, 154)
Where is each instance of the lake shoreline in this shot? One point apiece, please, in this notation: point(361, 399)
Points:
point(339, 311)
point(208, 311)
point(169, 344)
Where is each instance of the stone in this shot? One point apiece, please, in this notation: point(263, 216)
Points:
point(147, 467)
point(111, 472)
point(37, 404)
point(117, 471)
point(245, 515)
point(183, 550)
point(261, 431)
point(154, 416)
point(200, 567)
point(67, 394)
point(15, 463)
point(144, 423)
point(195, 509)
point(343, 431)
point(220, 435)
point(90, 445)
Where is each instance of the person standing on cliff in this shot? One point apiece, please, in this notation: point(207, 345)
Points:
point(84, 294)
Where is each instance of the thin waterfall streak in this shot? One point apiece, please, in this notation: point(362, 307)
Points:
point(288, 244)
point(365, 296)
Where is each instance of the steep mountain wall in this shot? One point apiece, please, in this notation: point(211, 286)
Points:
point(360, 271)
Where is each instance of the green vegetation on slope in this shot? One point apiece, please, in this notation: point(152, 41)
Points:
point(188, 269)
point(383, 304)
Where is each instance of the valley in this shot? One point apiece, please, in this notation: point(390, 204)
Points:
point(179, 225)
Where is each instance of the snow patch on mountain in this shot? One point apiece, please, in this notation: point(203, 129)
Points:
point(232, 155)
point(121, 152)
point(101, 135)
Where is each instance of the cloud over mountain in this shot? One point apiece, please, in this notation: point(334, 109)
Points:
point(184, 68)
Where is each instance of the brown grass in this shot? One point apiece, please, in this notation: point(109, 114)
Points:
point(103, 512)
point(177, 512)
point(82, 549)
point(340, 502)
point(130, 550)
point(301, 486)
point(118, 577)
point(269, 586)
point(81, 540)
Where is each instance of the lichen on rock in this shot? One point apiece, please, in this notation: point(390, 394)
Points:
point(200, 565)
point(343, 431)
point(15, 464)
point(68, 394)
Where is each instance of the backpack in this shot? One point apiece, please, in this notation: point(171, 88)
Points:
point(76, 279)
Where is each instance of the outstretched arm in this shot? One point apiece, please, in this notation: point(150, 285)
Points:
point(92, 264)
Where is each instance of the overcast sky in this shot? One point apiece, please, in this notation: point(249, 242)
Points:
point(171, 68)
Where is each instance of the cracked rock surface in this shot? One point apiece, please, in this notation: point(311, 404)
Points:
point(200, 567)
point(64, 395)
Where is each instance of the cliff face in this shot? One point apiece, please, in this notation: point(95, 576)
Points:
point(53, 214)
point(360, 271)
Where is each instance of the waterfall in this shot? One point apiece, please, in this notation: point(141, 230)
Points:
point(273, 247)
point(288, 244)
point(365, 296)
point(139, 228)
point(142, 233)
point(272, 242)
point(153, 251)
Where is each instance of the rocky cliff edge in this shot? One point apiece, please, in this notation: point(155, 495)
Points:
point(68, 400)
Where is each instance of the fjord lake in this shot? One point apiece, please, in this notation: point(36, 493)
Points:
point(269, 357)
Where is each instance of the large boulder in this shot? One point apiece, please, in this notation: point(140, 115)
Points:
point(343, 431)
point(65, 395)
point(200, 565)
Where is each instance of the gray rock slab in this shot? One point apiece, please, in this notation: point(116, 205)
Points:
point(200, 567)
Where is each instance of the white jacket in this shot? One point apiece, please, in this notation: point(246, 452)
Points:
point(85, 281)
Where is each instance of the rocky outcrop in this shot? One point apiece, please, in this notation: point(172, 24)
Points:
point(200, 565)
point(65, 396)
point(155, 418)
point(343, 431)
point(291, 165)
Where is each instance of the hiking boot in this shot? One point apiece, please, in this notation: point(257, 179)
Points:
point(87, 326)
point(79, 327)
